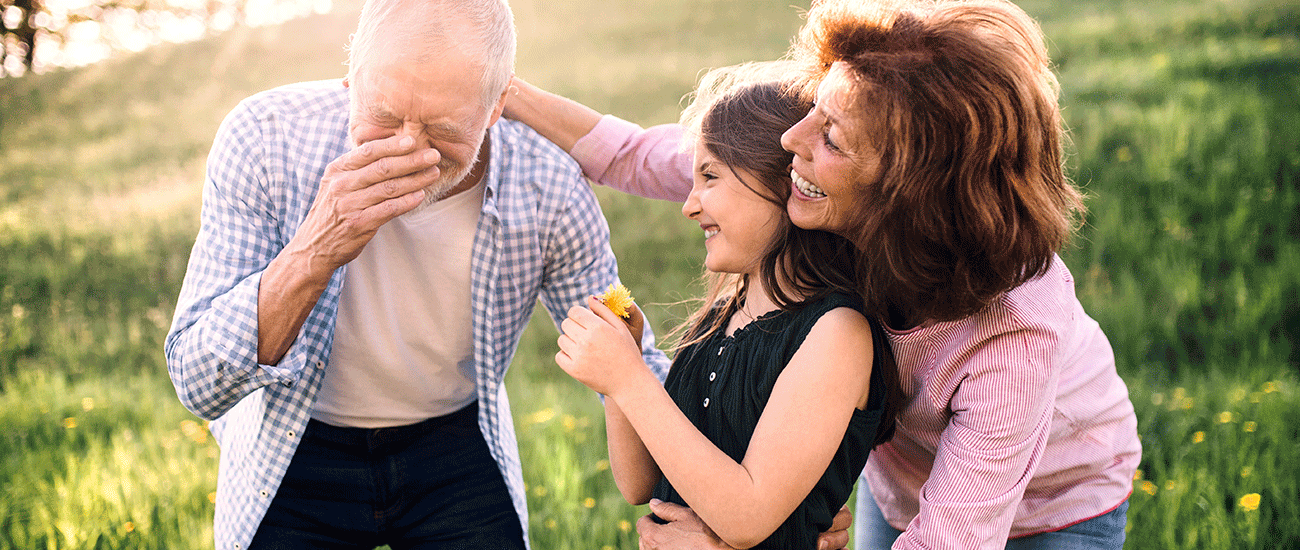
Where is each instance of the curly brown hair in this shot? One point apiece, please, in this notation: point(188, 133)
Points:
point(958, 104)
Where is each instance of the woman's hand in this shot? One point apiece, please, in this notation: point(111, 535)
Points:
point(598, 348)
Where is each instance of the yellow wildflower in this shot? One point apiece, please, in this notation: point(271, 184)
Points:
point(1250, 502)
point(1245, 472)
point(1149, 488)
point(1225, 417)
point(1198, 437)
point(624, 526)
point(589, 503)
point(70, 422)
point(1269, 387)
point(1248, 426)
point(618, 299)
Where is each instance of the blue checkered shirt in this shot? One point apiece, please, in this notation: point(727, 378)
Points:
point(541, 235)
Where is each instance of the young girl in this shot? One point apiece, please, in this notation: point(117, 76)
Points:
point(779, 387)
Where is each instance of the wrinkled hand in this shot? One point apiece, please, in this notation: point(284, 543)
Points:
point(684, 530)
point(362, 190)
point(597, 347)
point(838, 536)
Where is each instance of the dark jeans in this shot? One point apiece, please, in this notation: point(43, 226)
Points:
point(431, 485)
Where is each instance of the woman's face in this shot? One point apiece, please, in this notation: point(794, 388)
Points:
point(831, 162)
point(738, 223)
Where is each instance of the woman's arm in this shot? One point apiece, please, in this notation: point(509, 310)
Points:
point(792, 444)
point(650, 163)
point(557, 118)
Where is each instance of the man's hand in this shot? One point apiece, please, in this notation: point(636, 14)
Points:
point(685, 530)
point(361, 191)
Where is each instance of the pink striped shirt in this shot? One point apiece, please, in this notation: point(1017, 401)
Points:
point(1017, 422)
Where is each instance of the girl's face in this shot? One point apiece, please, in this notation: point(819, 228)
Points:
point(829, 162)
point(738, 223)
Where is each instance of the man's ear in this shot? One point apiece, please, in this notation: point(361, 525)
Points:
point(500, 106)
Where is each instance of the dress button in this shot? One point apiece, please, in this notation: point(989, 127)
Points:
point(720, 348)
point(712, 375)
point(706, 402)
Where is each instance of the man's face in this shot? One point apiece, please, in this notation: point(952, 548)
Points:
point(435, 103)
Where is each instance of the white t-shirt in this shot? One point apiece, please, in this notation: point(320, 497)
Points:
point(403, 342)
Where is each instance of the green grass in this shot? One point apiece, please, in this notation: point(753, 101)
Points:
point(1185, 135)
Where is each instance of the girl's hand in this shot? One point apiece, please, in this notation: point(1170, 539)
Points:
point(597, 347)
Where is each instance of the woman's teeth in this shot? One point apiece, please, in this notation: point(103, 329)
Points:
point(710, 232)
point(805, 187)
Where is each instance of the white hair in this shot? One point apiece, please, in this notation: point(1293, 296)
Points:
point(428, 23)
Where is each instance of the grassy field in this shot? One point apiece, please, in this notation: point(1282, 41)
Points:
point(1186, 129)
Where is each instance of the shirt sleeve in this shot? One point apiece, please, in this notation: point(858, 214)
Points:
point(1001, 417)
point(580, 263)
point(650, 163)
point(211, 348)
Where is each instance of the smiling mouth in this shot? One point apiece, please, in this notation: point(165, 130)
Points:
point(708, 233)
point(805, 187)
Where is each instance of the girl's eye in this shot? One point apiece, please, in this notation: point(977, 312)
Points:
point(708, 176)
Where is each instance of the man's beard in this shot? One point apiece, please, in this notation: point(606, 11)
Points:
point(450, 175)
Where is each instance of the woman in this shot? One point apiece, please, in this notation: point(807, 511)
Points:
point(936, 147)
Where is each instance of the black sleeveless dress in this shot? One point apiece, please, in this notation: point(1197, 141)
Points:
point(722, 385)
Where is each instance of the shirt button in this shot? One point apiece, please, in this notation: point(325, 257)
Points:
point(264, 493)
point(291, 434)
point(236, 546)
point(712, 375)
point(706, 405)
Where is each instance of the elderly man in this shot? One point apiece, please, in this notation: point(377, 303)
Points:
point(370, 252)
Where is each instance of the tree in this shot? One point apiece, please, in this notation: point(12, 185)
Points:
point(29, 23)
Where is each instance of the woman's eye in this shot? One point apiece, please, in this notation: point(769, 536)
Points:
point(826, 138)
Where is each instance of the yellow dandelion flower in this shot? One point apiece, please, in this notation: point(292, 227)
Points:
point(1137, 474)
point(1248, 426)
point(1238, 394)
point(1148, 488)
point(618, 299)
point(589, 503)
point(602, 465)
point(1225, 417)
point(129, 526)
point(1198, 437)
point(625, 526)
point(70, 422)
point(1269, 387)
point(212, 497)
point(1245, 472)
point(539, 491)
point(1171, 485)
point(552, 524)
point(87, 403)
point(1250, 502)
point(1188, 403)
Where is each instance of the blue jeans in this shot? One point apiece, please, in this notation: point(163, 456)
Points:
point(431, 485)
point(1104, 532)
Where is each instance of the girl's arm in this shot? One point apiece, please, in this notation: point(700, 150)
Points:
point(791, 446)
point(635, 471)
